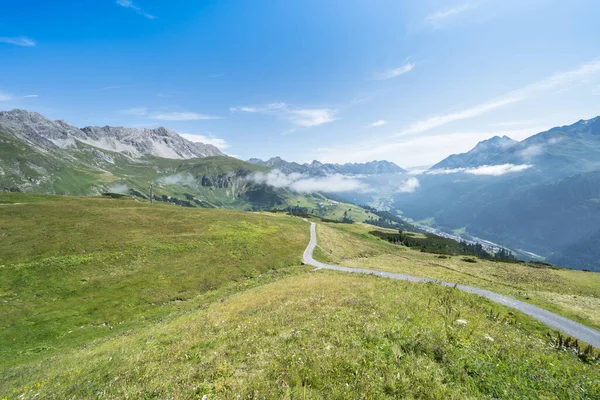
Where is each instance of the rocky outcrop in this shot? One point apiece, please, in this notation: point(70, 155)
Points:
point(48, 135)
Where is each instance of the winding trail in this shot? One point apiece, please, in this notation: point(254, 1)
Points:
point(570, 327)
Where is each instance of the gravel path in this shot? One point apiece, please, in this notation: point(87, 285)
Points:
point(570, 327)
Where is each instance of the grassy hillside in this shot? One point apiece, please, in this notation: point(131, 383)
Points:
point(117, 298)
point(72, 270)
point(323, 335)
point(575, 294)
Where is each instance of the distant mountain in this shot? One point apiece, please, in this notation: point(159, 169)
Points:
point(484, 153)
point(43, 156)
point(556, 153)
point(317, 168)
point(551, 208)
point(44, 134)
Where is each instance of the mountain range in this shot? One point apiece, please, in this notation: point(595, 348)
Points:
point(316, 168)
point(45, 156)
point(540, 195)
point(46, 135)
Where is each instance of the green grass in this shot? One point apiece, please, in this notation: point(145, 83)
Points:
point(460, 231)
point(427, 222)
point(575, 294)
point(75, 269)
point(322, 335)
point(117, 298)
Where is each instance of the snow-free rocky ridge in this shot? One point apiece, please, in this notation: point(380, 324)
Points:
point(47, 135)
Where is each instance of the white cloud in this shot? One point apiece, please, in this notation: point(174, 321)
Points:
point(18, 41)
point(394, 72)
point(305, 184)
point(303, 117)
point(8, 97)
point(558, 81)
point(416, 150)
point(377, 123)
point(137, 9)
point(536, 150)
point(475, 111)
point(409, 186)
point(118, 188)
point(488, 170)
point(311, 117)
point(177, 179)
point(437, 18)
point(219, 143)
point(181, 116)
point(166, 116)
point(216, 75)
point(532, 151)
point(137, 111)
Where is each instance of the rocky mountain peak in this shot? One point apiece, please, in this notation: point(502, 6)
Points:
point(133, 142)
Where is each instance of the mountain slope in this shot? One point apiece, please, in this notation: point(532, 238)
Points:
point(484, 153)
point(42, 156)
point(558, 152)
point(549, 208)
point(38, 131)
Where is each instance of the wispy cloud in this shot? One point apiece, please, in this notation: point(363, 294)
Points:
point(18, 41)
point(303, 117)
point(181, 116)
point(487, 170)
point(137, 9)
point(216, 75)
point(409, 186)
point(377, 123)
point(221, 144)
point(558, 81)
point(417, 150)
point(166, 116)
point(305, 184)
point(394, 72)
point(137, 111)
point(437, 18)
point(440, 120)
point(8, 97)
point(114, 87)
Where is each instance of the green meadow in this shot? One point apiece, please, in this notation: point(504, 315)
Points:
point(118, 298)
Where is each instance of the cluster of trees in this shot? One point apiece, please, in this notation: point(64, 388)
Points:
point(297, 210)
point(384, 219)
point(440, 245)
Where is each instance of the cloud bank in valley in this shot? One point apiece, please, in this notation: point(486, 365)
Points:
point(489, 170)
point(177, 179)
point(409, 186)
point(120, 188)
point(305, 184)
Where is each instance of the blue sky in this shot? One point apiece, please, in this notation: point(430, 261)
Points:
point(336, 80)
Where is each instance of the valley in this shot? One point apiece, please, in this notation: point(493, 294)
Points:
point(215, 200)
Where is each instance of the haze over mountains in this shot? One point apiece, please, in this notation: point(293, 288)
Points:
point(320, 169)
point(540, 195)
